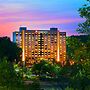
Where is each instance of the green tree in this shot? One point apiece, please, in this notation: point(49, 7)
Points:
point(40, 68)
point(46, 68)
point(9, 49)
point(85, 13)
point(8, 75)
point(73, 45)
point(78, 49)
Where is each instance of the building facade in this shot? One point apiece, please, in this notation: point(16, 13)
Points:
point(41, 44)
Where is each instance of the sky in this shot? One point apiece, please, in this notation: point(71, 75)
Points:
point(39, 14)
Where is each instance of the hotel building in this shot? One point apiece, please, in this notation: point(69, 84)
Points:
point(41, 44)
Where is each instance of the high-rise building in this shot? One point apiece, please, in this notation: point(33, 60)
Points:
point(41, 44)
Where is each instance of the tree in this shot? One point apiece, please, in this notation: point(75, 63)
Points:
point(9, 49)
point(72, 46)
point(78, 48)
point(46, 68)
point(85, 13)
point(8, 75)
point(40, 68)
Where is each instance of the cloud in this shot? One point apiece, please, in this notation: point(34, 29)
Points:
point(10, 8)
point(40, 20)
point(38, 14)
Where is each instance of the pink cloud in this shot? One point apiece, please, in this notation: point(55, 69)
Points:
point(57, 21)
point(7, 26)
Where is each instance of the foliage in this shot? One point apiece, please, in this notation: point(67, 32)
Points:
point(77, 49)
point(8, 76)
point(76, 76)
point(45, 68)
point(9, 49)
point(34, 86)
point(69, 88)
point(72, 45)
point(11, 79)
point(85, 13)
point(23, 72)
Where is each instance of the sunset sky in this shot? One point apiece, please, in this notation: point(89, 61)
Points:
point(39, 14)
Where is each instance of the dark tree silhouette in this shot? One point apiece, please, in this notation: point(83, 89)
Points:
point(9, 49)
point(85, 13)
